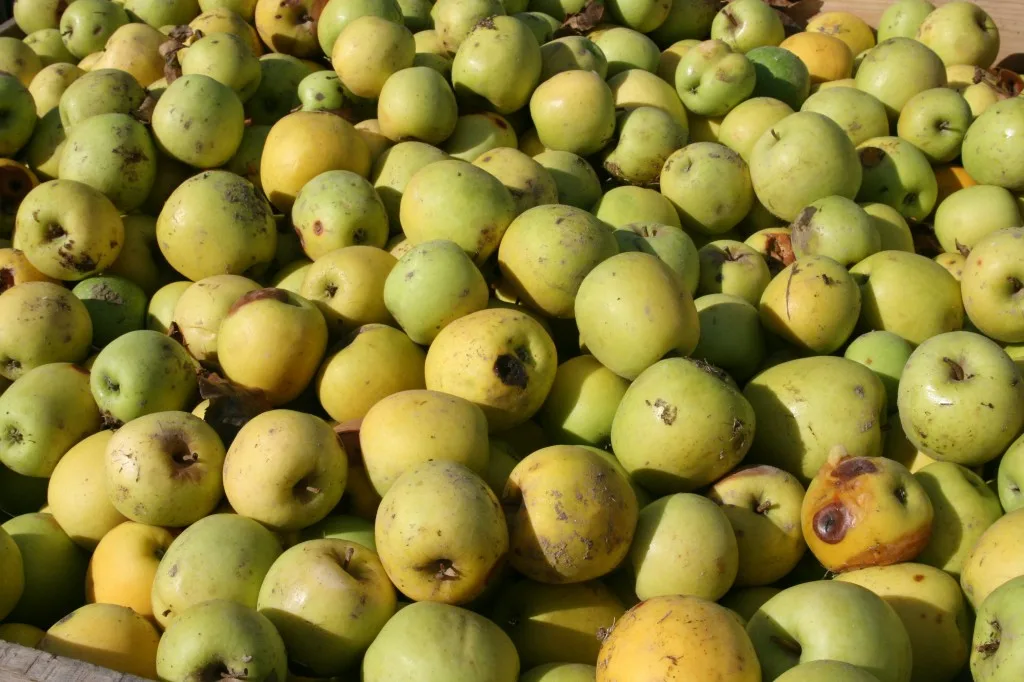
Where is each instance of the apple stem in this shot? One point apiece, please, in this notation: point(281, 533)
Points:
point(312, 489)
point(763, 506)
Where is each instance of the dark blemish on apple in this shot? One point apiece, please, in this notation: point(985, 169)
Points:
point(956, 371)
point(831, 523)
point(901, 495)
point(989, 406)
point(318, 228)
point(663, 410)
point(853, 467)
point(988, 648)
point(918, 578)
point(859, 390)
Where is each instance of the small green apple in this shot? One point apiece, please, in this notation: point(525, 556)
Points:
point(885, 354)
point(833, 671)
point(993, 151)
point(709, 186)
point(86, 27)
point(669, 243)
point(961, 33)
point(896, 70)
point(892, 227)
point(582, 402)
point(17, 115)
point(745, 25)
point(936, 122)
point(835, 227)
point(731, 336)
point(970, 214)
point(731, 267)
point(341, 527)
point(898, 174)
point(993, 275)
point(780, 75)
point(712, 79)
point(743, 126)
point(116, 305)
point(861, 115)
point(903, 18)
point(560, 672)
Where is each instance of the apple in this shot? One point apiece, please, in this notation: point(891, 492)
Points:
point(77, 492)
point(859, 114)
point(961, 33)
point(743, 126)
point(833, 671)
point(954, 263)
point(221, 639)
point(803, 158)
point(328, 599)
point(934, 613)
point(827, 57)
point(936, 122)
point(990, 283)
point(731, 336)
point(140, 373)
point(124, 564)
point(463, 646)
point(712, 79)
point(897, 69)
point(678, 637)
point(964, 508)
point(43, 323)
point(1011, 477)
point(835, 227)
point(780, 75)
point(981, 96)
point(42, 415)
point(969, 215)
point(670, 56)
point(995, 654)
point(994, 146)
point(54, 570)
point(201, 307)
point(582, 402)
point(762, 504)
point(890, 279)
point(960, 399)
point(556, 623)
point(994, 559)
point(300, 484)
point(885, 354)
point(865, 511)
point(708, 184)
point(106, 635)
point(831, 620)
point(903, 18)
point(219, 557)
point(440, 533)
point(85, 28)
point(621, 206)
point(849, 28)
point(898, 174)
point(13, 569)
point(745, 25)
point(731, 267)
point(164, 469)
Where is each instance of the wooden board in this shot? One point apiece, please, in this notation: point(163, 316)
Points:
point(19, 664)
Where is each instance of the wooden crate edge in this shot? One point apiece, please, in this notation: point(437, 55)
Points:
point(21, 664)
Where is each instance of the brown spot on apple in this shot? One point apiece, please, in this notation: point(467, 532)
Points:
point(832, 522)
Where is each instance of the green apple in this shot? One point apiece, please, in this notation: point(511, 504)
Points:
point(17, 117)
point(763, 505)
point(995, 654)
point(936, 121)
point(1010, 477)
point(832, 671)
point(687, 20)
point(964, 508)
point(897, 69)
point(221, 639)
point(140, 373)
point(731, 267)
point(222, 556)
point(743, 126)
point(560, 672)
point(35, 16)
point(626, 49)
point(164, 469)
point(432, 642)
point(116, 305)
point(961, 33)
point(745, 25)
point(803, 158)
point(669, 243)
point(898, 174)
point(993, 275)
point(709, 186)
point(85, 27)
point(890, 279)
point(348, 528)
point(835, 227)
point(885, 354)
point(933, 610)
point(328, 599)
point(680, 426)
point(582, 402)
point(805, 407)
point(858, 113)
point(994, 147)
point(54, 570)
point(13, 568)
point(731, 336)
point(664, 556)
point(831, 620)
point(556, 623)
point(961, 399)
point(780, 75)
point(968, 215)
point(621, 206)
point(712, 79)
point(160, 311)
point(42, 415)
point(903, 18)
point(43, 322)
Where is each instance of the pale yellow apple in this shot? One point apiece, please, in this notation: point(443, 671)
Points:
point(106, 635)
point(77, 492)
point(996, 558)
point(123, 566)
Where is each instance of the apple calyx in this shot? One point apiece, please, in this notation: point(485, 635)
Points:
point(219, 671)
point(991, 646)
point(956, 370)
point(442, 570)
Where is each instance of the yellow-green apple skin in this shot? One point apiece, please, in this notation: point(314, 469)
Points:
point(961, 33)
point(342, 527)
point(665, 558)
point(124, 564)
point(934, 613)
point(231, 639)
point(897, 173)
point(995, 650)
point(440, 533)
point(831, 620)
point(731, 335)
point(53, 568)
point(743, 126)
point(19, 633)
point(897, 69)
point(412, 427)
point(797, 405)
point(582, 403)
point(833, 671)
point(560, 672)
point(571, 515)
point(964, 509)
point(891, 226)
point(992, 275)
point(501, 359)
point(961, 399)
point(969, 215)
point(884, 353)
point(432, 642)
point(187, 575)
point(556, 623)
point(200, 309)
point(763, 505)
point(647, 642)
point(77, 493)
point(865, 511)
point(1010, 477)
point(165, 469)
point(836, 227)
point(43, 322)
point(681, 425)
point(12, 568)
point(106, 635)
point(328, 599)
point(296, 487)
point(996, 558)
point(859, 114)
point(936, 121)
point(903, 18)
point(745, 601)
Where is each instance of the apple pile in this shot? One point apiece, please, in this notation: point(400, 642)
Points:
point(512, 341)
